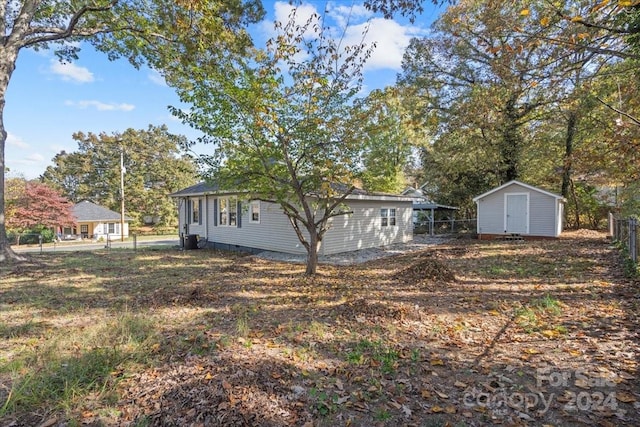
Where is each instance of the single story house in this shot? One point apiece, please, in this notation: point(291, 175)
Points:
point(94, 222)
point(230, 221)
point(516, 208)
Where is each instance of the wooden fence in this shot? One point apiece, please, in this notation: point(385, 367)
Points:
point(625, 231)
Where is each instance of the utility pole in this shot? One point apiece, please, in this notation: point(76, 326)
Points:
point(121, 192)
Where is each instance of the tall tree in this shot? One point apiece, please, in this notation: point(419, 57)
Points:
point(154, 163)
point(282, 124)
point(389, 141)
point(485, 86)
point(159, 32)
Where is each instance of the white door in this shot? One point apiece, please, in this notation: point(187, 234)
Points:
point(517, 214)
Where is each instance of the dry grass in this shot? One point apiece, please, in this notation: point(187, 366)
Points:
point(454, 335)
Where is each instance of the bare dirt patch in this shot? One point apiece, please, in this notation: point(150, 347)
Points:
point(462, 333)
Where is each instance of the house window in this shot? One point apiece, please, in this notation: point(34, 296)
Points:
point(195, 211)
point(254, 210)
point(111, 228)
point(84, 229)
point(388, 217)
point(228, 211)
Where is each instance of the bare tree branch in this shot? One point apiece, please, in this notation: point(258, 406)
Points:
point(627, 115)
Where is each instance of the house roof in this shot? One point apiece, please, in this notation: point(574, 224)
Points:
point(199, 189)
point(530, 187)
point(203, 188)
point(88, 211)
point(422, 202)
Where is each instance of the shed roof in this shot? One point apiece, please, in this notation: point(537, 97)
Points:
point(530, 187)
point(88, 211)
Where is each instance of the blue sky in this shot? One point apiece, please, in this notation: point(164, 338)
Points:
point(47, 101)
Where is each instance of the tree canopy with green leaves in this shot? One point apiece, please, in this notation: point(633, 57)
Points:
point(282, 124)
point(390, 139)
point(154, 164)
point(156, 32)
point(506, 96)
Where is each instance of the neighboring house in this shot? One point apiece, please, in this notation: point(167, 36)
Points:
point(95, 222)
point(229, 221)
point(425, 211)
point(520, 209)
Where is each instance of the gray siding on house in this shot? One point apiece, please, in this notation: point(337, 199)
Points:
point(272, 233)
point(363, 229)
point(544, 211)
point(359, 230)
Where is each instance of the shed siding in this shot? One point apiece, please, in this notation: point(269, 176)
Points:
point(543, 212)
point(491, 214)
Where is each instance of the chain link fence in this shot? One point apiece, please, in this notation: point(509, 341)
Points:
point(452, 226)
point(17, 239)
point(625, 232)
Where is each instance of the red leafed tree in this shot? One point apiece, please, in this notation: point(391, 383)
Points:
point(39, 206)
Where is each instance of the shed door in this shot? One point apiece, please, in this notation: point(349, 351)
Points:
point(517, 215)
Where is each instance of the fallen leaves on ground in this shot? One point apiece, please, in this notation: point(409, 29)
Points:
point(464, 333)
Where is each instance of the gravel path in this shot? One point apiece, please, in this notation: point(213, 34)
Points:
point(419, 242)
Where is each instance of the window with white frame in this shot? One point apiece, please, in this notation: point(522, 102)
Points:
point(254, 211)
point(111, 228)
point(228, 214)
point(195, 211)
point(388, 217)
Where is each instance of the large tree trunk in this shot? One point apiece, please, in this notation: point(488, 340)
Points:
point(511, 143)
point(572, 121)
point(312, 253)
point(8, 58)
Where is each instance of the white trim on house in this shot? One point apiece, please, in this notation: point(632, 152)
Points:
point(254, 219)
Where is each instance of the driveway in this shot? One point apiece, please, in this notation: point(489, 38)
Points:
point(67, 246)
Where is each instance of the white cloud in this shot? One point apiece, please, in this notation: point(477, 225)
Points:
point(100, 106)
point(303, 12)
point(355, 24)
point(71, 72)
point(156, 78)
point(16, 141)
point(348, 15)
point(33, 158)
point(391, 40)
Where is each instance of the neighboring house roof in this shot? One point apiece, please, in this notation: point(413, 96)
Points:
point(422, 202)
point(87, 211)
point(530, 187)
point(204, 188)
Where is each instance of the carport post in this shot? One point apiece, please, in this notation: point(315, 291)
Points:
point(433, 221)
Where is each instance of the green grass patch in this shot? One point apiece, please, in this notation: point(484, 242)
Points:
point(375, 353)
point(65, 369)
point(538, 314)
